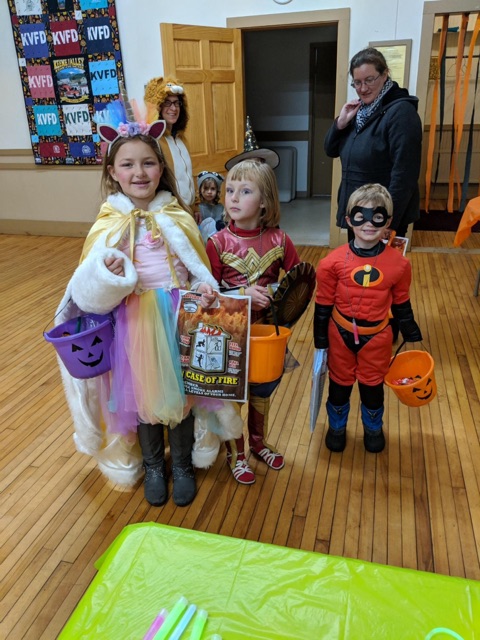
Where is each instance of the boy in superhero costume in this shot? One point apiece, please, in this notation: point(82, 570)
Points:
point(357, 284)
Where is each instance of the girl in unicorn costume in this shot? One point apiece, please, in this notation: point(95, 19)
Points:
point(141, 250)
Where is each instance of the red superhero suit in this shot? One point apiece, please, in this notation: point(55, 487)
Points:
point(241, 259)
point(363, 288)
point(356, 289)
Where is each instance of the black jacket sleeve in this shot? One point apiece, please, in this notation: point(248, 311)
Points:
point(404, 131)
point(321, 319)
point(403, 314)
point(334, 138)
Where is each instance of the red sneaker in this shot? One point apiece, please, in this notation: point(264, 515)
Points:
point(274, 460)
point(241, 471)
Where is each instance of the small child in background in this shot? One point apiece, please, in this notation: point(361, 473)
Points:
point(212, 212)
point(246, 257)
point(357, 284)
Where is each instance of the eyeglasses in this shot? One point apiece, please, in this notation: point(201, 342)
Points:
point(368, 82)
point(177, 104)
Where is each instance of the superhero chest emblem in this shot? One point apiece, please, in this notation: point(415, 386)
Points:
point(366, 276)
point(253, 265)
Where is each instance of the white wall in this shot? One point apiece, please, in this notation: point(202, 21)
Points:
point(140, 40)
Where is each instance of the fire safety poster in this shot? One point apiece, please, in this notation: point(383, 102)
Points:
point(70, 64)
point(214, 346)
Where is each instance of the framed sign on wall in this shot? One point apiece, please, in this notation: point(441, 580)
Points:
point(397, 53)
point(70, 66)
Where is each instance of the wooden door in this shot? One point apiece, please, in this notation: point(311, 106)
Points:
point(208, 62)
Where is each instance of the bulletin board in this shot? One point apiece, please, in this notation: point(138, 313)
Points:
point(70, 65)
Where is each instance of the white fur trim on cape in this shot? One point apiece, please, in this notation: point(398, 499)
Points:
point(82, 399)
point(94, 288)
point(120, 461)
point(205, 448)
point(211, 429)
point(230, 420)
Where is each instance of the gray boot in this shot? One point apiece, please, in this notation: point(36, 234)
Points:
point(152, 444)
point(181, 443)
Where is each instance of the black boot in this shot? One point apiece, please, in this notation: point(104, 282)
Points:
point(374, 441)
point(373, 436)
point(181, 443)
point(152, 444)
point(336, 438)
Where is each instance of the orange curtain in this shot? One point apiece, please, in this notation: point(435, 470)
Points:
point(433, 118)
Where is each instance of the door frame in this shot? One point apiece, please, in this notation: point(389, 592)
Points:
point(341, 17)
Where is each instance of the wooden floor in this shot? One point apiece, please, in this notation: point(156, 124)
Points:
point(415, 505)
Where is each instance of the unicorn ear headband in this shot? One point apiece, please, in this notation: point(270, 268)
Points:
point(122, 119)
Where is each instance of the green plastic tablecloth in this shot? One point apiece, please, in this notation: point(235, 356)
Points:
point(259, 591)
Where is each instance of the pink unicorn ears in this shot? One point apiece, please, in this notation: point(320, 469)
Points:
point(131, 129)
point(157, 129)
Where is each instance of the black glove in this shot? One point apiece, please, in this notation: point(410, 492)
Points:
point(403, 314)
point(320, 325)
point(220, 224)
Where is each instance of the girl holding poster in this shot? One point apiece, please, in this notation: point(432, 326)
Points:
point(246, 257)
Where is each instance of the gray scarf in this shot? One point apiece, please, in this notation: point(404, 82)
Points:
point(367, 110)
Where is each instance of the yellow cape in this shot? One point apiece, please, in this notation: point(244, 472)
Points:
point(114, 224)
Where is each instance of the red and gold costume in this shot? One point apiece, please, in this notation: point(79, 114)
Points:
point(241, 259)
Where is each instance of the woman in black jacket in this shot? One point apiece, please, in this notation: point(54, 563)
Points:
point(378, 138)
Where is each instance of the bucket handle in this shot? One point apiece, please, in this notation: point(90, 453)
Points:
point(274, 316)
point(396, 352)
point(79, 319)
point(58, 313)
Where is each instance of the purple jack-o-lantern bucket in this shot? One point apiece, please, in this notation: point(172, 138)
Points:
point(83, 344)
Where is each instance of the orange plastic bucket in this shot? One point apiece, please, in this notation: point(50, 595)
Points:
point(417, 365)
point(267, 352)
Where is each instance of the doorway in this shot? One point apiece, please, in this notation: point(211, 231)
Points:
point(289, 102)
point(284, 124)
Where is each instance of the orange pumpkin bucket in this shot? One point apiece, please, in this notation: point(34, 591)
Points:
point(267, 352)
point(412, 378)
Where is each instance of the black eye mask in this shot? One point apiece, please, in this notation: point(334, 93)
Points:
point(368, 214)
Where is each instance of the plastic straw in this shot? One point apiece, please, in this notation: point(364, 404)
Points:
point(172, 619)
point(199, 625)
point(183, 624)
point(156, 624)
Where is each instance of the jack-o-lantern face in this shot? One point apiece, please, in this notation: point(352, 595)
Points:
point(423, 392)
point(95, 353)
